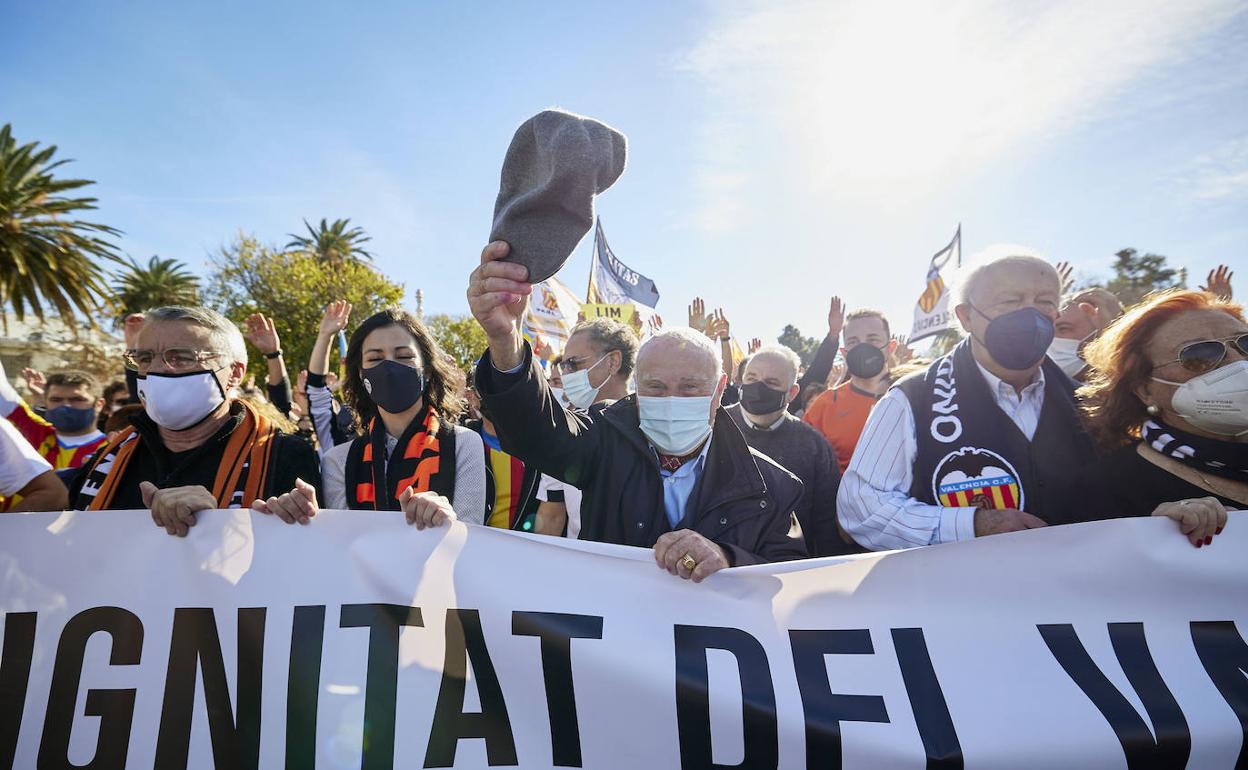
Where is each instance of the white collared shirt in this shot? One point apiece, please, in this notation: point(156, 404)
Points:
point(1022, 409)
point(874, 504)
point(746, 416)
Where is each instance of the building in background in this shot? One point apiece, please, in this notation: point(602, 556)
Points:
point(52, 345)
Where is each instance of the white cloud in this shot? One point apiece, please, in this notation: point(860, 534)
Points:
point(1218, 175)
point(855, 99)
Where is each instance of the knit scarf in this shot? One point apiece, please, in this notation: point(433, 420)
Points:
point(1228, 459)
point(241, 477)
point(416, 462)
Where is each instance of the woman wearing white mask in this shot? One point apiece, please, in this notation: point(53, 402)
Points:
point(1169, 402)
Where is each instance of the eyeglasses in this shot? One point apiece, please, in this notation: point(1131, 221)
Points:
point(569, 365)
point(1207, 355)
point(177, 359)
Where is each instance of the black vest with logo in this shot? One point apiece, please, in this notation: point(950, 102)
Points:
point(970, 453)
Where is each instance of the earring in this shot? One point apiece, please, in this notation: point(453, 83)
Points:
point(1152, 410)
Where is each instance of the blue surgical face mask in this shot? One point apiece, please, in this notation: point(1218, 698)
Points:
point(70, 419)
point(676, 425)
point(1019, 339)
point(581, 394)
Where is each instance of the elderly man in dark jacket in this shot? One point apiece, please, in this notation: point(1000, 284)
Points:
point(665, 467)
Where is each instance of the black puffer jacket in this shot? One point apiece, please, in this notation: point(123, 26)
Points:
point(744, 502)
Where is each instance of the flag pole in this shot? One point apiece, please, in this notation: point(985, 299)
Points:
point(593, 253)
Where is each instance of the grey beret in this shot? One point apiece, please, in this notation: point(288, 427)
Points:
point(556, 164)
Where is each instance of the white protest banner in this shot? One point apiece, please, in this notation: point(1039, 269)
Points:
point(358, 641)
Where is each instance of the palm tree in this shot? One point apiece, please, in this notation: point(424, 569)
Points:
point(161, 282)
point(46, 254)
point(333, 243)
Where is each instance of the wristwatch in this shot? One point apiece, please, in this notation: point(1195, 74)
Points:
point(275, 354)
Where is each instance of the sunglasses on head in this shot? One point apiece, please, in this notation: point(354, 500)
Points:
point(1207, 355)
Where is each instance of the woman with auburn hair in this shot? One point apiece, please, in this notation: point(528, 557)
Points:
point(1168, 404)
point(409, 454)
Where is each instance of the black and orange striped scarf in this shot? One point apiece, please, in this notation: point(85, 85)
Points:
point(242, 474)
point(416, 462)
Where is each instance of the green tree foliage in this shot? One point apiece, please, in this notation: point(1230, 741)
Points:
point(1136, 275)
point(945, 341)
point(460, 336)
point(293, 287)
point(805, 347)
point(47, 254)
point(161, 282)
point(334, 243)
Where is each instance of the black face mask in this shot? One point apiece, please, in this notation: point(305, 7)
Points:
point(757, 398)
point(393, 386)
point(1018, 339)
point(864, 360)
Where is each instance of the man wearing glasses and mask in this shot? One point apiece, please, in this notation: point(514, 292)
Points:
point(196, 445)
point(597, 362)
point(988, 439)
point(595, 368)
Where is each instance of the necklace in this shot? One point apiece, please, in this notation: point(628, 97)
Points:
point(1216, 488)
point(1230, 490)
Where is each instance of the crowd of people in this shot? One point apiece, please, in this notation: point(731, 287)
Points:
point(1055, 407)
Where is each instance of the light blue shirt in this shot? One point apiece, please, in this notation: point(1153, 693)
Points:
point(678, 485)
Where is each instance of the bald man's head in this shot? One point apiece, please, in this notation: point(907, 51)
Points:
point(678, 362)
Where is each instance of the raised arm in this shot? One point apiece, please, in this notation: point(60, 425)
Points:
point(263, 334)
point(333, 321)
point(531, 425)
point(718, 328)
point(821, 365)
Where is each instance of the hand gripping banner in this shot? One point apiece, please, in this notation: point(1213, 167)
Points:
point(359, 642)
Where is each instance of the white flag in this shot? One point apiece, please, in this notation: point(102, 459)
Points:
point(553, 309)
point(612, 282)
point(931, 312)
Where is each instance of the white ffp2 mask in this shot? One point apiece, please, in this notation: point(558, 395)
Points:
point(1215, 401)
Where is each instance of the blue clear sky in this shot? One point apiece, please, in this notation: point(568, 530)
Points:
point(780, 152)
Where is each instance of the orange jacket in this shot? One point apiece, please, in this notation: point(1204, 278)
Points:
point(840, 414)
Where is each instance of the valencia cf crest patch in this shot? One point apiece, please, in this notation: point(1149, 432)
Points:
point(976, 478)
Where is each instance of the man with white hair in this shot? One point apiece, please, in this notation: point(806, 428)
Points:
point(665, 468)
point(195, 446)
point(769, 384)
point(988, 439)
